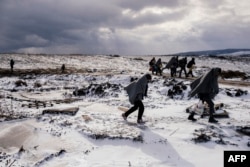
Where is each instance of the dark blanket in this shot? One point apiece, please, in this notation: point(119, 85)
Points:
point(137, 89)
point(206, 84)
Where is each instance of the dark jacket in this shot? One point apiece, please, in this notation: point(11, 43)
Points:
point(159, 63)
point(183, 62)
point(173, 63)
point(137, 89)
point(191, 63)
point(152, 61)
point(12, 62)
point(206, 84)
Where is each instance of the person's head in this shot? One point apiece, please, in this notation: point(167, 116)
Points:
point(149, 77)
point(217, 71)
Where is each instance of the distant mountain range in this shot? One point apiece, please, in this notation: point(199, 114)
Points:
point(234, 52)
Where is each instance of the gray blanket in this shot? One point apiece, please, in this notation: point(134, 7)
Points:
point(171, 62)
point(137, 89)
point(206, 84)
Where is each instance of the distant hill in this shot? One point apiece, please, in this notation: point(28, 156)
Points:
point(232, 52)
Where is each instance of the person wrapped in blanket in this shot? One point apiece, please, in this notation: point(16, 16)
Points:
point(152, 64)
point(137, 90)
point(172, 65)
point(206, 87)
point(191, 66)
point(158, 67)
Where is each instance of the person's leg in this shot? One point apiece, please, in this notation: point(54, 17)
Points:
point(175, 71)
point(132, 109)
point(171, 72)
point(210, 105)
point(160, 71)
point(211, 110)
point(189, 72)
point(180, 72)
point(191, 116)
point(185, 72)
point(141, 109)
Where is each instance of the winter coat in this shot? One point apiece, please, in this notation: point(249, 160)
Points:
point(159, 63)
point(137, 89)
point(183, 62)
point(190, 63)
point(206, 84)
point(152, 62)
point(173, 63)
point(12, 62)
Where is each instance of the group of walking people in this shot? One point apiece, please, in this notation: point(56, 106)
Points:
point(155, 66)
point(174, 63)
point(205, 87)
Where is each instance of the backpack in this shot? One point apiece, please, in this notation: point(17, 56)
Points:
point(189, 65)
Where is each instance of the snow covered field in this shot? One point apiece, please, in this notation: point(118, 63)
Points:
point(97, 135)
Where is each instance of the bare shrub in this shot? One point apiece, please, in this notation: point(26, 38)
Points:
point(233, 74)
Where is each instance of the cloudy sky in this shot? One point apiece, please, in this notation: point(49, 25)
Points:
point(125, 27)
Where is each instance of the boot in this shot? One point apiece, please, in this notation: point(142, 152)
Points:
point(191, 117)
point(140, 121)
point(212, 120)
point(124, 116)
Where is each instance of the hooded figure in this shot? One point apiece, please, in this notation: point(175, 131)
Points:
point(152, 64)
point(136, 91)
point(12, 65)
point(172, 64)
point(158, 67)
point(206, 87)
point(190, 66)
point(182, 64)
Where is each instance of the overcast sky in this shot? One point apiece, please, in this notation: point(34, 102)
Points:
point(125, 27)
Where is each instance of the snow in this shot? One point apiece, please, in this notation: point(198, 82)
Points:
point(97, 136)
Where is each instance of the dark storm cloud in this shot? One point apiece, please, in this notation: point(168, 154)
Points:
point(140, 4)
point(118, 26)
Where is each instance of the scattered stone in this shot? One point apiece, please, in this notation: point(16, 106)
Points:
point(233, 74)
point(99, 90)
point(176, 89)
point(244, 130)
point(235, 92)
point(202, 138)
point(68, 111)
point(19, 83)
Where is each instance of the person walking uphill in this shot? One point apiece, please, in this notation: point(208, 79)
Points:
point(152, 64)
point(12, 65)
point(182, 64)
point(136, 91)
point(172, 64)
point(190, 66)
point(207, 88)
point(158, 67)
